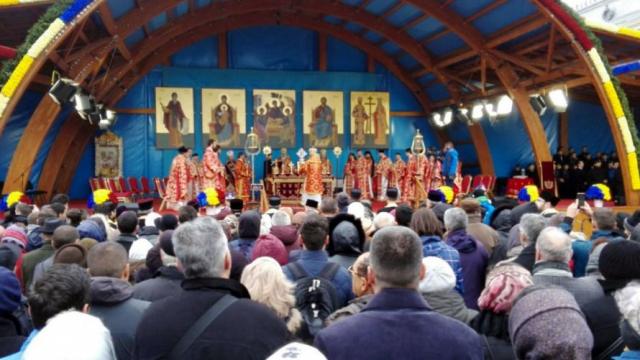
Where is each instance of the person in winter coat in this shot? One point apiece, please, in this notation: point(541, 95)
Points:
point(425, 223)
point(501, 221)
point(504, 284)
point(282, 228)
point(487, 236)
point(267, 285)
point(362, 289)
point(166, 278)
point(248, 232)
point(473, 257)
point(546, 323)
point(437, 288)
point(346, 239)
point(530, 227)
point(244, 329)
point(628, 301)
point(12, 333)
point(112, 296)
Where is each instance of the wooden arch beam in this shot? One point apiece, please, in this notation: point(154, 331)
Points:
point(505, 72)
point(632, 197)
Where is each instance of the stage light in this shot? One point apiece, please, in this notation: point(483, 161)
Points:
point(558, 99)
point(84, 103)
point(448, 117)
point(63, 90)
point(505, 105)
point(476, 112)
point(437, 119)
point(538, 103)
point(463, 115)
point(489, 109)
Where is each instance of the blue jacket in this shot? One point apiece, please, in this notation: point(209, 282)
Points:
point(313, 262)
point(474, 259)
point(582, 249)
point(18, 355)
point(243, 246)
point(434, 246)
point(450, 165)
point(398, 324)
point(631, 355)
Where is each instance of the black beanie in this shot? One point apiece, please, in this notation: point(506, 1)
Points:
point(619, 260)
point(249, 225)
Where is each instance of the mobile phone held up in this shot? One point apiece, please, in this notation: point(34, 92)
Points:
point(580, 198)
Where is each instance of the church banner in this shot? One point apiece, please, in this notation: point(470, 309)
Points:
point(323, 119)
point(369, 119)
point(174, 118)
point(224, 117)
point(274, 117)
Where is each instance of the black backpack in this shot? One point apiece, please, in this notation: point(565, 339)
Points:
point(316, 296)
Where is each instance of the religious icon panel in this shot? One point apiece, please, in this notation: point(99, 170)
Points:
point(224, 117)
point(174, 118)
point(369, 119)
point(323, 119)
point(108, 155)
point(274, 117)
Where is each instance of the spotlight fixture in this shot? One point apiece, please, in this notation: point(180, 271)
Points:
point(448, 117)
point(489, 109)
point(84, 104)
point(476, 112)
point(505, 105)
point(436, 117)
point(463, 115)
point(107, 118)
point(538, 103)
point(63, 90)
point(558, 99)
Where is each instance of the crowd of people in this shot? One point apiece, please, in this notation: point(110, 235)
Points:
point(575, 172)
point(479, 278)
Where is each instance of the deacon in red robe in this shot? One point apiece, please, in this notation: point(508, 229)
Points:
point(363, 176)
point(242, 175)
point(383, 175)
point(397, 175)
point(179, 188)
point(213, 170)
point(311, 169)
point(350, 174)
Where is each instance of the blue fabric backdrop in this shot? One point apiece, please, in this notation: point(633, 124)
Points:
point(284, 57)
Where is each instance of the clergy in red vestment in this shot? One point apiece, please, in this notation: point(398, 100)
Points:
point(363, 176)
point(350, 174)
point(326, 164)
point(408, 183)
point(311, 169)
point(213, 170)
point(196, 174)
point(179, 189)
point(397, 174)
point(242, 176)
point(383, 175)
point(436, 173)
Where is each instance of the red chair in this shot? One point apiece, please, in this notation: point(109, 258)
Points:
point(160, 189)
point(123, 185)
point(146, 189)
point(465, 187)
point(133, 185)
point(477, 180)
point(102, 184)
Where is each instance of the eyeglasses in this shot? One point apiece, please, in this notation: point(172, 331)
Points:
point(354, 272)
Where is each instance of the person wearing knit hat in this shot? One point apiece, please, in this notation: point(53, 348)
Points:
point(546, 323)
point(9, 255)
point(619, 260)
point(437, 288)
point(248, 232)
point(503, 285)
point(15, 234)
point(270, 246)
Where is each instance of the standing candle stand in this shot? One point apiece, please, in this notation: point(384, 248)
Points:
point(252, 147)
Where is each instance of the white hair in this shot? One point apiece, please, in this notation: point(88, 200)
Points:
point(268, 285)
point(200, 246)
point(554, 245)
point(383, 219)
point(356, 209)
point(150, 219)
point(280, 218)
point(455, 219)
point(72, 335)
point(531, 225)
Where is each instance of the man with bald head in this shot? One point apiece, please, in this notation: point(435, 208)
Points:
point(112, 295)
point(63, 235)
point(397, 323)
